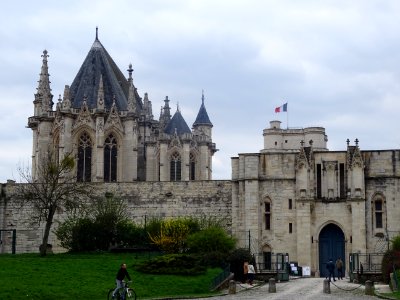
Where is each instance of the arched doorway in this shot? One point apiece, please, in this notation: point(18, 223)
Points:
point(331, 245)
point(267, 257)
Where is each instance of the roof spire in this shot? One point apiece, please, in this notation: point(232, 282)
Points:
point(97, 33)
point(43, 90)
point(130, 70)
point(202, 117)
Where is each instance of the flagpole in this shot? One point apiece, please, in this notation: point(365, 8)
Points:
point(287, 118)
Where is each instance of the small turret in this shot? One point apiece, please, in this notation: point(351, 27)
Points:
point(177, 125)
point(202, 124)
point(165, 115)
point(147, 107)
point(43, 98)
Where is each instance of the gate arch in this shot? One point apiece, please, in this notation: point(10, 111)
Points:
point(331, 245)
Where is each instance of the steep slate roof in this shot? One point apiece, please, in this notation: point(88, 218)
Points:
point(179, 123)
point(86, 83)
point(202, 117)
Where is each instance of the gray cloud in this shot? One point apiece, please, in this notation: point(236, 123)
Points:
point(335, 63)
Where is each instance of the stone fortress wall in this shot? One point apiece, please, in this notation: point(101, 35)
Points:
point(144, 200)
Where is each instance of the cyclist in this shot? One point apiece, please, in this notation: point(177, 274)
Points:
point(122, 272)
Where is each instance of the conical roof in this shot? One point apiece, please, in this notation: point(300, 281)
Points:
point(177, 122)
point(202, 117)
point(86, 83)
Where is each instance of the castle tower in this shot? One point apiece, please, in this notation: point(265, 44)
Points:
point(43, 117)
point(202, 128)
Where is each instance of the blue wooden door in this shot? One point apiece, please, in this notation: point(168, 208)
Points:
point(331, 245)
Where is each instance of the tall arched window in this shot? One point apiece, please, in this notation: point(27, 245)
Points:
point(110, 159)
point(267, 215)
point(56, 147)
point(84, 172)
point(378, 206)
point(192, 167)
point(175, 167)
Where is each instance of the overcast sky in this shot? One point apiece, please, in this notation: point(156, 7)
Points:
point(336, 63)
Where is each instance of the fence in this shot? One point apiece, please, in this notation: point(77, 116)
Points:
point(366, 263)
point(220, 277)
point(8, 238)
point(247, 240)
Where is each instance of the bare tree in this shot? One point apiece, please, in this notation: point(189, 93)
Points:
point(52, 188)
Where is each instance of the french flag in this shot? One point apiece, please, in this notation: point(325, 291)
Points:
point(281, 108)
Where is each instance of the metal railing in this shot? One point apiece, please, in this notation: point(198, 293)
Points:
point(366, 262)
point(220, 277)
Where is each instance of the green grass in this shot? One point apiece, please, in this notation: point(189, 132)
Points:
point(89, 276)
point(394, 295)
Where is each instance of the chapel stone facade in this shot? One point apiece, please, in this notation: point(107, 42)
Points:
point(111, 130)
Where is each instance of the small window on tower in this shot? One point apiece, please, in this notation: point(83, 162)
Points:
point(290, 228)
point(267, 215)
point(276, 143)
point(378, 214)
point(290, 204)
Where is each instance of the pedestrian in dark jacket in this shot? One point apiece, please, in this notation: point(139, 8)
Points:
point(331, 269)
point(122, 273)
point(339, 268)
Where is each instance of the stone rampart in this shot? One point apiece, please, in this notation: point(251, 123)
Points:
point(145, 200)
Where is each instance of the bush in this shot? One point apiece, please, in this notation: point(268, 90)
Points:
point(391, 259)
point(237, 259)
point(177, 264)
point(105, 225)
point(77, 234)
point(172, 235)
point(128, 234)
point(212, 239)
point(396, 243)
point(214, 259)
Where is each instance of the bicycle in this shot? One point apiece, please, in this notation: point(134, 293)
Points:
point(124, 293)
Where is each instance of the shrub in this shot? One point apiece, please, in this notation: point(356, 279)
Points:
point(237, 259)
point(212, 239)
point(215, 259)
point(105, 225)
point(396, 243)
point(172, 235)
point(177, 264)
point(391, 259)
point(77, 234)
point(128, 234)
point(205, 222)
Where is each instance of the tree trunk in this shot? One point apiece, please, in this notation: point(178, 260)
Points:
point(49, 222)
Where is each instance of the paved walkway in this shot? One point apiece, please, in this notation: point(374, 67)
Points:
point(302, 289)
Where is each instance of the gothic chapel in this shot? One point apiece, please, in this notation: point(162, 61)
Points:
point(111, 130)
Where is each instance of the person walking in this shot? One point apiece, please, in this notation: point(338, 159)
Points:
point(339, 268)
point(331, 269)
point(251, 274)
point(245, 271)
point(122, 273)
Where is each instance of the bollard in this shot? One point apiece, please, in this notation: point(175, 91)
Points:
point(232, 287)
point(327, 286)
point(272, 286)
point(369, 288)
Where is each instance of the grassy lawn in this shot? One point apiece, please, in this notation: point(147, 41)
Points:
point(395, 295)
point(88, 276)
